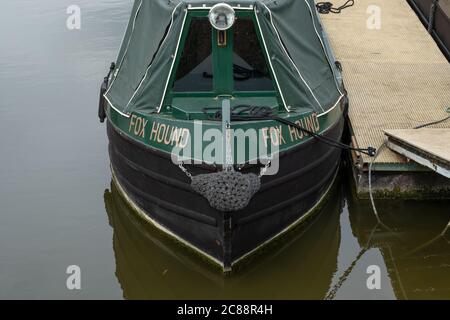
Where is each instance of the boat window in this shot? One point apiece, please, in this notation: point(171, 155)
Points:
point(250, 69)
point(195, 69)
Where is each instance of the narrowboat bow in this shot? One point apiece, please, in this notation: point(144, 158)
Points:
point(151, 266)
point(217, 114)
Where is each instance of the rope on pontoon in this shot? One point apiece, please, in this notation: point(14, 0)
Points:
point(327, 7)
point(435, 122)
point(372, 201)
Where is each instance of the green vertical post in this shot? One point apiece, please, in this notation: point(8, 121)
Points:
point(223, 63)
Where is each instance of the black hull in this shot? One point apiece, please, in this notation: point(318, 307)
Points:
point(151, 266)
point(162, 192)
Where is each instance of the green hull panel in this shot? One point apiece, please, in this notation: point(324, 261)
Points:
point(198, 139)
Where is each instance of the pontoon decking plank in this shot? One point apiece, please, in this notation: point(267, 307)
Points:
point(429, 147)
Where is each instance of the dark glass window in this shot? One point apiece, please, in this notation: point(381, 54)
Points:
point(251, 72)
point(195, 70)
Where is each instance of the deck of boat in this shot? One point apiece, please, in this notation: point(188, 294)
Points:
point(396, 76)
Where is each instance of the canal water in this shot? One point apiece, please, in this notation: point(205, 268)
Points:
point(58, 207)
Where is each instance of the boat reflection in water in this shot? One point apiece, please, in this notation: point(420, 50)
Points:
point(414, 240)
point(150, 265)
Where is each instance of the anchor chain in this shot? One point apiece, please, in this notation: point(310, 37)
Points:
point(265, 168)
point(186, 172)
point(262, 172)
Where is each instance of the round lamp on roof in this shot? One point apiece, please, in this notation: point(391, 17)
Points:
point(222, 16)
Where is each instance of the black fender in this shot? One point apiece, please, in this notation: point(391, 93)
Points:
point(103, 89)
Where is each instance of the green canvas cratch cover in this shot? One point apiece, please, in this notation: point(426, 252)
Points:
point(292, 39)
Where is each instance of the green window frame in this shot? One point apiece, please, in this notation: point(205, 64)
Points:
point(222, 63)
